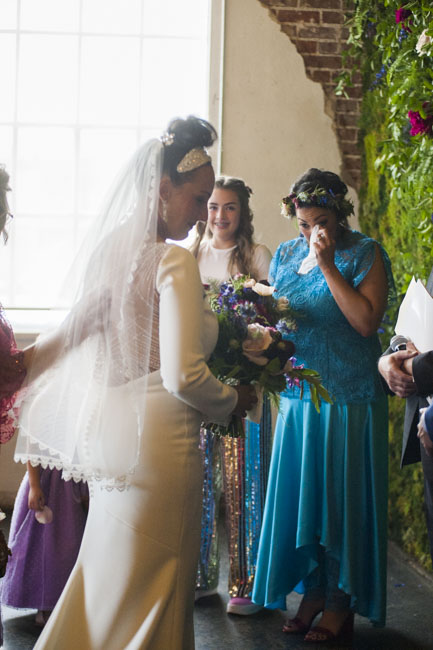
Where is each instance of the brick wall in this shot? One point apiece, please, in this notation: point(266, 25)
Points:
point(316, 29)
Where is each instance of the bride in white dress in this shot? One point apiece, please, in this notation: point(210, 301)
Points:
point(123, 406)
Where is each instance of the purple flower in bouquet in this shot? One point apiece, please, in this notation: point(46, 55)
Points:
point(250, 347)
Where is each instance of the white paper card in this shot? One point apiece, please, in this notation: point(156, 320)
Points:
point(415, 317)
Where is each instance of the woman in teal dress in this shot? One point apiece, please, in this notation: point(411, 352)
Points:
point(325, 520)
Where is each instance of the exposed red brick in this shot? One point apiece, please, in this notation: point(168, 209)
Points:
point(352, 162)
point(329, 89)
point(280, 3)
point(349, 149)
point(329, 47)
point(347, 105)
point(306, 47)
point(347, 134)
point(354, 92)
point(320, 75)
point(323, 4)
point(323, 61)
point(290, 30)
point(354, 178)
point(313, 31)
point(316, 28)
point(334, 17)
point(344, 33)
point(347, 119)
point(298, 16)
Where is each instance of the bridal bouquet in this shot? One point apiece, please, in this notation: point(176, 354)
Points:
point(251, 348)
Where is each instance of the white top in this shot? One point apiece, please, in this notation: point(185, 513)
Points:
point(214, 262)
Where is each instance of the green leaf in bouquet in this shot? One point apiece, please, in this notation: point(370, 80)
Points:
point(274, 365)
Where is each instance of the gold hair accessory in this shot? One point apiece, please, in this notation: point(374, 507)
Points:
point(195, 158)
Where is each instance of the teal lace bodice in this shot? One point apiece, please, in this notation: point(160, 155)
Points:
point(324, 339)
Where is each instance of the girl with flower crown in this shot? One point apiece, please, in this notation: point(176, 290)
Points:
point(239, 466)
point(325, 520)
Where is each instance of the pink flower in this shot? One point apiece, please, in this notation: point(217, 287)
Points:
point(419, 124)
point(401, 15)
point(258, 340)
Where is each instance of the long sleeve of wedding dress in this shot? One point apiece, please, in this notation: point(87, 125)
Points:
point(187, 337)
point(132, 587)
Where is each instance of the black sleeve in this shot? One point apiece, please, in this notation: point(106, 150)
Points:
point(422, 370)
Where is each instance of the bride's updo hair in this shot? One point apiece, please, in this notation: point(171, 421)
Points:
point(318, 178)
point(181, 136)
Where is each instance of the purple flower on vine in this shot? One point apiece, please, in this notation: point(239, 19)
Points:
point(401, 15)
point(420, 125)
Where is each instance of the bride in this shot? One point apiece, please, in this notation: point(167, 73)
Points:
point(122, 405)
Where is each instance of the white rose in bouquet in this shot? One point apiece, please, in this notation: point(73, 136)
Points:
point(258, 340)
point(263, 289)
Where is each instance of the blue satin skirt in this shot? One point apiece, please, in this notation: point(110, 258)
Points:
point(327, 487)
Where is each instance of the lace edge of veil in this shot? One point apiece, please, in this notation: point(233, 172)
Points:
point(71, 471)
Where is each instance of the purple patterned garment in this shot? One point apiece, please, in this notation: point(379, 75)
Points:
point(43, 555)
point(12, 374)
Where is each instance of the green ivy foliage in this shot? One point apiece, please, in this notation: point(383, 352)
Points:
point(396, 197)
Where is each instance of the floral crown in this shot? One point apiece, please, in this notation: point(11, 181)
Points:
point(319, 197)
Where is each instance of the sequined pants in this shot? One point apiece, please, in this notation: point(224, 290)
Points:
point(238, 468)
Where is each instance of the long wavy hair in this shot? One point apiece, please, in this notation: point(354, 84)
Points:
point(241, 258)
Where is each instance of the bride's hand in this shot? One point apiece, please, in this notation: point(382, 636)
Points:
point(247, 398)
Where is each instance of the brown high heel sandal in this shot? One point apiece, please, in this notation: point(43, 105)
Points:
point(320, 634)
point(297, 626)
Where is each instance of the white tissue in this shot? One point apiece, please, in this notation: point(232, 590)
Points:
point(310, 261)
point(44, 516)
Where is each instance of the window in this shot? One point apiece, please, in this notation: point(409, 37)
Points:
point(87, 81)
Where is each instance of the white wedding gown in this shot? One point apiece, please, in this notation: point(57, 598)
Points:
point(133, 584)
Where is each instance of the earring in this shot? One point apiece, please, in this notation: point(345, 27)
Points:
point(164, 211)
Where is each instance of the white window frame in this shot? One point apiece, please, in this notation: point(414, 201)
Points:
point(27, 323)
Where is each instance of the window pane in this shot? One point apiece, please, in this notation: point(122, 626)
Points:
point(171, 17)
point(178, 85)
point(46, 245)
point(8, 14)
point(110, 80)
point(109, 16)
point(155, 132)
point(6, 144)
point(48, 78)
point(50, 15)
point(6, 268)
point(102, 153)
point(8, 75)
point(45, 175)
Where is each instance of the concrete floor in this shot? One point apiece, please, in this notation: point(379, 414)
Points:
point(409, 623)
